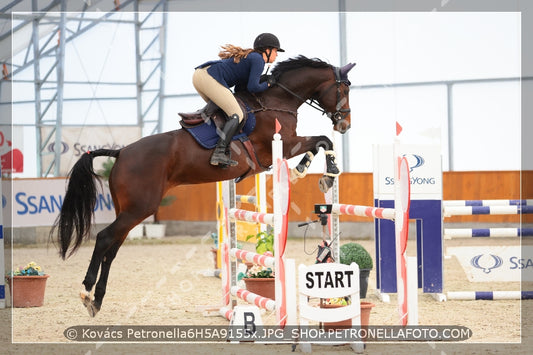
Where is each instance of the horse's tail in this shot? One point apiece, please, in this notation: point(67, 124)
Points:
point(78, 205)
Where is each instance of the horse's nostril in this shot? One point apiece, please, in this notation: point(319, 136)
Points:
point(342, 126)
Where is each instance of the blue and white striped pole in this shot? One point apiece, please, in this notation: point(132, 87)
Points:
point(450, 233)
point(485, 210)
point(490, 295)
point(449, 203)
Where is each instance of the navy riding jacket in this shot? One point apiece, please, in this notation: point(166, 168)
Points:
point(243, 75)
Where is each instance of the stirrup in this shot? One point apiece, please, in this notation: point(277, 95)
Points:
point(224, 163)
point(220, 157)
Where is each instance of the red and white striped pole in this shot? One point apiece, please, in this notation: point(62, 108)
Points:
point(407, 295)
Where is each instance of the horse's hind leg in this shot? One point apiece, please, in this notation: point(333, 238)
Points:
point(108, 241)
point(100, 289)
point(104, 239)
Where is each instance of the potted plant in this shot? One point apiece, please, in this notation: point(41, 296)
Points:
point(336, 302)
point(356, 253)
point(352, 253)
point(259, 279)
point(27, 285)
point(348, 253)
point(264, 242)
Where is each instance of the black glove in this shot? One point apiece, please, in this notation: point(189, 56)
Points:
point(268, 78)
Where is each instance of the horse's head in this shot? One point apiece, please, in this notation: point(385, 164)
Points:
point(329, 87)
point(333, 97)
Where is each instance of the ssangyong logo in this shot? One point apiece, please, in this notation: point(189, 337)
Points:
point(486, 267)
point(414, 160)
point(52, 147)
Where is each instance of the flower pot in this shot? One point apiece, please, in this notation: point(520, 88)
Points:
point(27, 291)
point(265, 287)
point(363, 282)
point(155, 230)
point(343, 324)
point(366, 308)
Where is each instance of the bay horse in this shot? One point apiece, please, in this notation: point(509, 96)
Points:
point(146, 169)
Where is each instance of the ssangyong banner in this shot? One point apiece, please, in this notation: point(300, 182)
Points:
point(78, 140)
point(425, 171)
point(37, 202)
point(495, 263)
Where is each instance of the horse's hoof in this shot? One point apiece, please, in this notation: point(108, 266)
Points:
point(91, 307)
point(325, 183)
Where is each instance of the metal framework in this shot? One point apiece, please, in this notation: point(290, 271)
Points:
point(52, 27)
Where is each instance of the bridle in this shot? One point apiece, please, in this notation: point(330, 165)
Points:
point(341, 113)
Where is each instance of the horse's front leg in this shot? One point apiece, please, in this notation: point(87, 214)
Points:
point(310, 146)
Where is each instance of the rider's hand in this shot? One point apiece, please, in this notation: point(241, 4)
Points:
point(268, 78)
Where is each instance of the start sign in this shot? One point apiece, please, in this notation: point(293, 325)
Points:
point(328, 280)
point(334, 279)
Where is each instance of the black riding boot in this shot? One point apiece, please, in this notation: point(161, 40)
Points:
point(221, 155)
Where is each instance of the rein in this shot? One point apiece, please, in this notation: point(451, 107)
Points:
point(265, 108)
point(310, 102)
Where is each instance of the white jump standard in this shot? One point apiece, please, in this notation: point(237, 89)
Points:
point(285, 300)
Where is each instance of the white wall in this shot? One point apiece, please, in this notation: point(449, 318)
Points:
point(388, 48)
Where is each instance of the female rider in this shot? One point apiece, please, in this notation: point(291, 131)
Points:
point(239, 68)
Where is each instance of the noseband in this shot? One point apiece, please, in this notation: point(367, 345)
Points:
point(341, 113)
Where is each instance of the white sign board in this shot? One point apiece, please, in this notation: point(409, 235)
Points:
point(425, 169)
point(497, 263)
point(37, 202)
point(78, 140)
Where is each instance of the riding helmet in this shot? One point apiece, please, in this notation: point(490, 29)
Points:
point(267, 40)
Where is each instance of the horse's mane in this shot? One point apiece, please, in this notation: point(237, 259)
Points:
point(297, 63)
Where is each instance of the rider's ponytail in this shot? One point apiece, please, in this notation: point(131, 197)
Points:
point(235, 52)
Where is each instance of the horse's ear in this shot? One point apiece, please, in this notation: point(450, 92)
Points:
point(345, 69)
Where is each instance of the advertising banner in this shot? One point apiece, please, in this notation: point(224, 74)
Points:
point(425, 171)
point(78, 140)
point(495, 263)
point(37, 202)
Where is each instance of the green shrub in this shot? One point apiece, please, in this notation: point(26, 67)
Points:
point(354, 252)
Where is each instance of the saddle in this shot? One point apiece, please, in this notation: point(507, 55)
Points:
point(211, 112)
point(200, 125)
